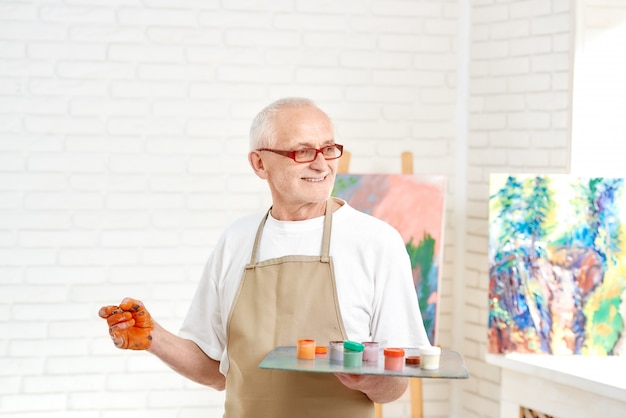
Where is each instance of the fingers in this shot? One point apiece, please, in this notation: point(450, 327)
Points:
point(139, 312)
point(105, 311)
point(129, 304)
point(118, 317)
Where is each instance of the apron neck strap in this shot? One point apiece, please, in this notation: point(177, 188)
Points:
point(328, 221)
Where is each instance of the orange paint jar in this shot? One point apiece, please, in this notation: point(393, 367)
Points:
point(305, 349)
point(394, 358)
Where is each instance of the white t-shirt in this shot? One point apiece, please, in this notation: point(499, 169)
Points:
point(377, 299)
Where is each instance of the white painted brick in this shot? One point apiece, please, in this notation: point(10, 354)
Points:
point(46, 348)
point(172, 256)
point(70, 15)
point(552, 62)
point(34, 220)
point(548, 101)
point(62, 201)
point(341, 39)
point(105, 33)
point(160, 54)
point(145, 89)
point(245, 74)
point(185, 35)
point(134, 126)
point(47, 50)
point(11, 50)
point(510, 29)
point(67, 162)
point(510, 139)
point(55, 384)
point(529, 120)
point(551, 24)
point(109, 400)
point(111, 219)
point(385, 24)
point(90, 107)
point(529, 8)
point(27, 257)
point(29, 181)
point(89, 70)
point(156, 17)
point(531, 46)
point(186, 146)
point(490, 50)
point(509, 66)
point(97, 257)
point(39, 402)
point(159, 71)
point(148, 274)
point(529, 83)
point(73, 88)
point(16, 30)
point(491, 13)
point(12, 164)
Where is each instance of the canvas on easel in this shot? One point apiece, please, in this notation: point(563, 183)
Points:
point(557, 264)
point(414, 205)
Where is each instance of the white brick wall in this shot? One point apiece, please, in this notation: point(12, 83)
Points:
point(123, 139)
point(123, 142)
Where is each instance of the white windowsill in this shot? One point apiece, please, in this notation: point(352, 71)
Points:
point(604, 376)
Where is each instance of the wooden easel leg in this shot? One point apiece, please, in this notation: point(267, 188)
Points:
point(378, 408)
point(416, 398)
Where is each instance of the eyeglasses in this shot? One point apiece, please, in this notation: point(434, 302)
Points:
point(306, 155)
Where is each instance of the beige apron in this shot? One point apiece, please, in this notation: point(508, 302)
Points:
point(280, 301)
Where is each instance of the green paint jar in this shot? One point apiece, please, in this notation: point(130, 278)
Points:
point(352, 354)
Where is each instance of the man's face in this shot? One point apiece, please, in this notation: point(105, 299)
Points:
point(296, 185)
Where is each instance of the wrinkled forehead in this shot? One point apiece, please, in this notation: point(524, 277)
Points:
point(303, 126)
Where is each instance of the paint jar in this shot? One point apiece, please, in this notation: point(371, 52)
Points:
point(352, 354)
point(370, 352)
point(336, 351)
point(394, 358)
point(429, 357)
point(413, 361)
point(305, 349)
point(320, 351)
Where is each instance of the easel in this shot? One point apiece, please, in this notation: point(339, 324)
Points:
point(415, 384)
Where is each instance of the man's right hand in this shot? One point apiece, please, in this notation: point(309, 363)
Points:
point(130, 324)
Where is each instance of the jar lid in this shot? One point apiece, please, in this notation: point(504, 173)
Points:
point(320, 349)
point(394, 352)
point(353, 345)
point(430, 349)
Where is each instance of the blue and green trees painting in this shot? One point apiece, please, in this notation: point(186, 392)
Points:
point(557, 265)
point(414, 205)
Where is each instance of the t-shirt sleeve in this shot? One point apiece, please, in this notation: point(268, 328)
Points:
point(397, 318)
point(203, 323)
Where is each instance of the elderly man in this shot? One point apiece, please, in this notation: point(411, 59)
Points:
point(309, 267)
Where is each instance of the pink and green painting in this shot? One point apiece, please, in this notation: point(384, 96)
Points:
point(414, 205)
point(557, 265)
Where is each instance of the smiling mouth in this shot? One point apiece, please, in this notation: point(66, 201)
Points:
point(314, 179)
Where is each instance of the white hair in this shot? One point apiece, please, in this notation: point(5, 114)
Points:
point(263, 129)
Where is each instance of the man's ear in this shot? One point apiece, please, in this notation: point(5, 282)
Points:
point(257, 164)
